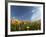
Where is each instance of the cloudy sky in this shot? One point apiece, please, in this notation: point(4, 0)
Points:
point(25, 12)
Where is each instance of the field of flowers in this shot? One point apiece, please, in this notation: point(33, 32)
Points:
point(25, 25)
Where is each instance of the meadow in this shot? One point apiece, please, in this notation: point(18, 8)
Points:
point(25, 25)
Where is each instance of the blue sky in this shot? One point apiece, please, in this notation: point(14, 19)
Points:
point(25, 12)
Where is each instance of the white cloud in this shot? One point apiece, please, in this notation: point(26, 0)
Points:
point(36, 15)
point(13, 17)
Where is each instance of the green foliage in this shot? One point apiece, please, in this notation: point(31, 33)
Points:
point(23, 27)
